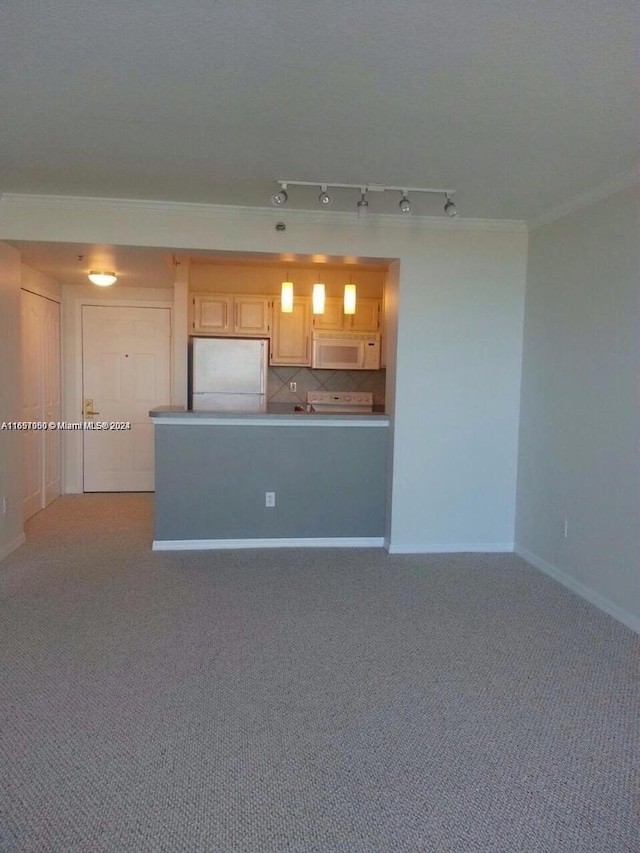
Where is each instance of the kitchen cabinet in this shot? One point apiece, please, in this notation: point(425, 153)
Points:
point(211, 314)
point(224, 314)
point(252, 315)
point(366, 318)
point(290, 342)
point(333, 317)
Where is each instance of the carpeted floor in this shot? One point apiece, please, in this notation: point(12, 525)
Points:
point(303, 700)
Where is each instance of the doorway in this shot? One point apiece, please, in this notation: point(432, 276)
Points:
point(126, 371)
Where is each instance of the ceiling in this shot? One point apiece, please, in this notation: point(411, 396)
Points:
point(142, 266)
point(519, 106)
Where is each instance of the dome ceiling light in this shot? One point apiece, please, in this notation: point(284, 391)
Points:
point(102, 278)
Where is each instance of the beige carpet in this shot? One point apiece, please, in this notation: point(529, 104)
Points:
point(303, 700)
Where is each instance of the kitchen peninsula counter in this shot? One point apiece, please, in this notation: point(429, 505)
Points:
point(213, 469)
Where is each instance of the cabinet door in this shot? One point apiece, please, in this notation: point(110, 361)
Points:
point(333, 317)
point(367, 316)
point(252, 316)
point(290, 343)
point(211, 314)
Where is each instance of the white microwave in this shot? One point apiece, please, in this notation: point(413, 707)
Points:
point(345, 350)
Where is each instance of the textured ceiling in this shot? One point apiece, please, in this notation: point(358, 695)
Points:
point(520, 106)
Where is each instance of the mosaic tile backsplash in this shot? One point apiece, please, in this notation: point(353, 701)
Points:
point(307, 379)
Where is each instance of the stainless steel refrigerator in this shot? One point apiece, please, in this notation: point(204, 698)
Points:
point(228, 374)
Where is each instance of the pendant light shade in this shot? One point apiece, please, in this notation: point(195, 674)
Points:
point(101, 278)
point(318, 298)
point(286, 297)
point(349, 299)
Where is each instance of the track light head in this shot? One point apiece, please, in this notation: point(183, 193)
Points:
point(279, 198)
point(362, 206)
point(449, 208)
point(324, 198)
point(405, 204)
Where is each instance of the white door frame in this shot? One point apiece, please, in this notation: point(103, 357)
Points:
point(72, 405)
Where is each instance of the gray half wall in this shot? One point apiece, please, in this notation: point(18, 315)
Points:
point(211, 482)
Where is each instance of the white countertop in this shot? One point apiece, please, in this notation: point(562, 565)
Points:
point(277, 414)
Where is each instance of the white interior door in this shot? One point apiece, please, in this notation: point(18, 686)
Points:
point(126, 357)
point(40, 359)
point(31, 373)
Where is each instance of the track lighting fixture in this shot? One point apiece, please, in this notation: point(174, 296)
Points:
point(362, 206)
point(280, 198)
point(101, 278)
point(450, 208)
point(405, 204)
point(324, 198)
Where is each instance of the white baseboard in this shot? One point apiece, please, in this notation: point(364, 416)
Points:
point(450, 548)
point(11, 546)
point(225, 544)
point(580, 589)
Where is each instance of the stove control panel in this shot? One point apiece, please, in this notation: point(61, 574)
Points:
point(341, 400)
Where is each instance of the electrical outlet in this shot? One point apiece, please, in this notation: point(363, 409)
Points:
point(565, 529)
point(269, 499)
point(5, 505)
point(293, 386)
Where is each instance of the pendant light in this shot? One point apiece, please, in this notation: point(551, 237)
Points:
point(286, 297)
point(349, 298)
point(318, 298)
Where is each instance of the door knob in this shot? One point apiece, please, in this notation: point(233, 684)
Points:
point(88, 409)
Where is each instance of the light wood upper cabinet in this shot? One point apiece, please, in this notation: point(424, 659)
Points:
point(366, 318)
point(211, 314)
point(333, 317)
point(290, 343)
point(252, 315)
point(222, 314)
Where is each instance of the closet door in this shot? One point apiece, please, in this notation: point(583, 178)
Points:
point(32, 443)
point(41, 449)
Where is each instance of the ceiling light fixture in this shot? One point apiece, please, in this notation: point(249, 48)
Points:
point(405, 204)
point(362, 207)
point(324, 198)
point(102, 278)
point(318, 298)
point(280, 198)
point(449, 208)
point(349, 298)
point(286, 297)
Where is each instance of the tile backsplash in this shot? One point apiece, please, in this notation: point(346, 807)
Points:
point(307, 379)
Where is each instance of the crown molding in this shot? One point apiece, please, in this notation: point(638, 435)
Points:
point(219, 211)
point(619, 182)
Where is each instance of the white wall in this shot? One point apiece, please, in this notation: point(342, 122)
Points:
point(11, 530)
point(580, 412)
point(39, 283)
point(460, 311)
